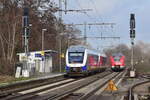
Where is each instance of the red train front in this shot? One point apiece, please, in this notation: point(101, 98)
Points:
point(117, 62)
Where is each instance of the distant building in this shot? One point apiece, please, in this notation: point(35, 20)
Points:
point(37, 61)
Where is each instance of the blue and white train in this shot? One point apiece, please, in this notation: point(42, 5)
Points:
point(81, 61)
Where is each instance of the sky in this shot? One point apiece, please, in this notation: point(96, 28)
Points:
point(110, 11)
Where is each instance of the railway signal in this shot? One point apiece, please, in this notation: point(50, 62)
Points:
point(132, 33)
point(25, 27)
point(132, 21)
point(132, 36)
point(132, 26)
point(26, 22)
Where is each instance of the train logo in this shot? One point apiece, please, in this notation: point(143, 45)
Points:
point(117, 61)
point(83, 61)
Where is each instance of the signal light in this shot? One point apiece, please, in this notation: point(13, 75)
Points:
point(132, 17)
point(25, 17)
point(132, 33)
point(25, 21)
point(132, 21)
point(26, 11)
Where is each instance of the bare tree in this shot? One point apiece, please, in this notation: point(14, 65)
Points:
point(9, 26)
point(41, 15)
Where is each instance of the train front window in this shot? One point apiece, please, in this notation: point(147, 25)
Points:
point(76, 57)
point(117, 58)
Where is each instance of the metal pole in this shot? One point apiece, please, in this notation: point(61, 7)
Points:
point(68, 40)
point(60, 53)
point(60, 17)
point(85, 32)
point(43, 67)
point(25, 41)
point(132, 55)
point(42, 50)
point(42, 40)
point(43, 30)
point(26, 49)
point(65, 6)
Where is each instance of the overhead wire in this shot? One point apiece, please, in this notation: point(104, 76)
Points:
point(97, 12)
point(76, 18)
point(97, 27)
point(87, 14)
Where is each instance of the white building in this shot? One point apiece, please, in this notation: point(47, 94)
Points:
point(37, 62)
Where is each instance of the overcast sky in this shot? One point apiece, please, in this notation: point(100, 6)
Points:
point(115, 11)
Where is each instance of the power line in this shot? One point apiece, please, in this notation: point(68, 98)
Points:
point(89, 15)
point(85, 24)
point(96, 10)
point(95, 24)
point(73, 10)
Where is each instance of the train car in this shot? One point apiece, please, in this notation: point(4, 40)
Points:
point(117, 61)
point(81, 61)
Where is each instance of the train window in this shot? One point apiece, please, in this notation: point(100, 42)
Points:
point(92, 60)
point(76, 54)
point(117, 58)
point(75, 57)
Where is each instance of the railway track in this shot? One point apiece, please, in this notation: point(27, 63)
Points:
point(133, 94)
point(31, 92)
point(55, 90)
point(136, 88)
point(89, 92)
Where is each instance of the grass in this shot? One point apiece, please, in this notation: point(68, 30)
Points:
point(5, 80)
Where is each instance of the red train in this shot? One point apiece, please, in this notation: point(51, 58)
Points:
point(117, 61)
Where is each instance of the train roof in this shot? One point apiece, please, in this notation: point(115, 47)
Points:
point(117, 54)
point(81, 48)
point(76, 48)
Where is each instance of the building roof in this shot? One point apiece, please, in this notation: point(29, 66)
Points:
point(45, 51)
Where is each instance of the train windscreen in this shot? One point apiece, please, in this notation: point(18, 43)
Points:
point(117, 58)
point(75, 57)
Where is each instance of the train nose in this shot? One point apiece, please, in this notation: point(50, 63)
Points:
point(118, 63)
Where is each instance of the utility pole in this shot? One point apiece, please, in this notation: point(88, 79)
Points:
point(85, 33)
point(65, 6)
point(43, 53)
point(132, 36)
point(60, 30)
point(43, 30)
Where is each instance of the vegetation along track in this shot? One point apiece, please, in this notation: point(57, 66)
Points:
point(53, 90)
point(28, 84)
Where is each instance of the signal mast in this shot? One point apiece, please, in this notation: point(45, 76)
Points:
point(132, 37)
